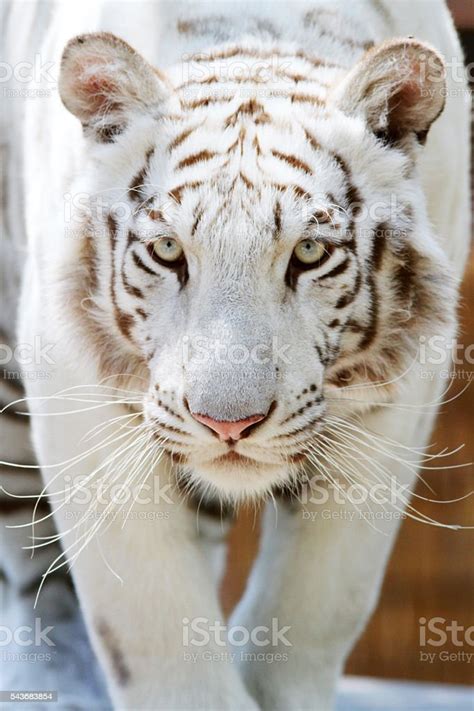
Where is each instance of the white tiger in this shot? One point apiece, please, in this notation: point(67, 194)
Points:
point(234, 260)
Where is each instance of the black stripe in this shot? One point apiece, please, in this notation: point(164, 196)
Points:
point(123, 320)
point(277, 219)
point(339, 269)
point(347, 299)
point(376, 259)
point(379, 245)
point(371, 330)
point(115, 654)
point(141, 265)
point(129, 287)
point(136, 187)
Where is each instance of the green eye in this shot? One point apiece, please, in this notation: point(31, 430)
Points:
point(309, 252)
point(167, 249)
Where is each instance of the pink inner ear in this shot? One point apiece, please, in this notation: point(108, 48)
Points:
point(97, 90)
point(411, 90)
point(410, 93)
point(405, 105)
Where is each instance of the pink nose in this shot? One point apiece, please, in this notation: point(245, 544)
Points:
point(228, 430)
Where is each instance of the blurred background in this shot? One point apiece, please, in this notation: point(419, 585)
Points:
point(431, 572)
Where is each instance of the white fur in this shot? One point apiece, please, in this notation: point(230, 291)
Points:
point(320, 578)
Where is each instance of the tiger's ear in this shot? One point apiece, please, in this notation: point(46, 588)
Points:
point(398, 87)
point(103, 80)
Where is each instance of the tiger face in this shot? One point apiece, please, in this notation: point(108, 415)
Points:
point(262, 260)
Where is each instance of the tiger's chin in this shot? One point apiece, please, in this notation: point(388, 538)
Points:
point(237, 476)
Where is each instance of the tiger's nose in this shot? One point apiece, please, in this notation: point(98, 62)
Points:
point(229, 430)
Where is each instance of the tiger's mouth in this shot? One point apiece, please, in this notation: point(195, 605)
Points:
point(234, 461)
point(228, 459)
point(239, 470)
point(233, 457)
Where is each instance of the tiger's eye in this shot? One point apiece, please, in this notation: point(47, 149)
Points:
point(167, 249)
point(309, 252)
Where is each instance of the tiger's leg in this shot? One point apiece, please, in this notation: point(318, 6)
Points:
point(318, 573)
point(141, 580)
point(213, 520)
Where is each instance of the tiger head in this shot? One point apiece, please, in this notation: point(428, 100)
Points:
point(264, 257)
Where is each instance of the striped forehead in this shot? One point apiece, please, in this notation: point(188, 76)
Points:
point(250, 180)
point(232, 213)
point(272, 153)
